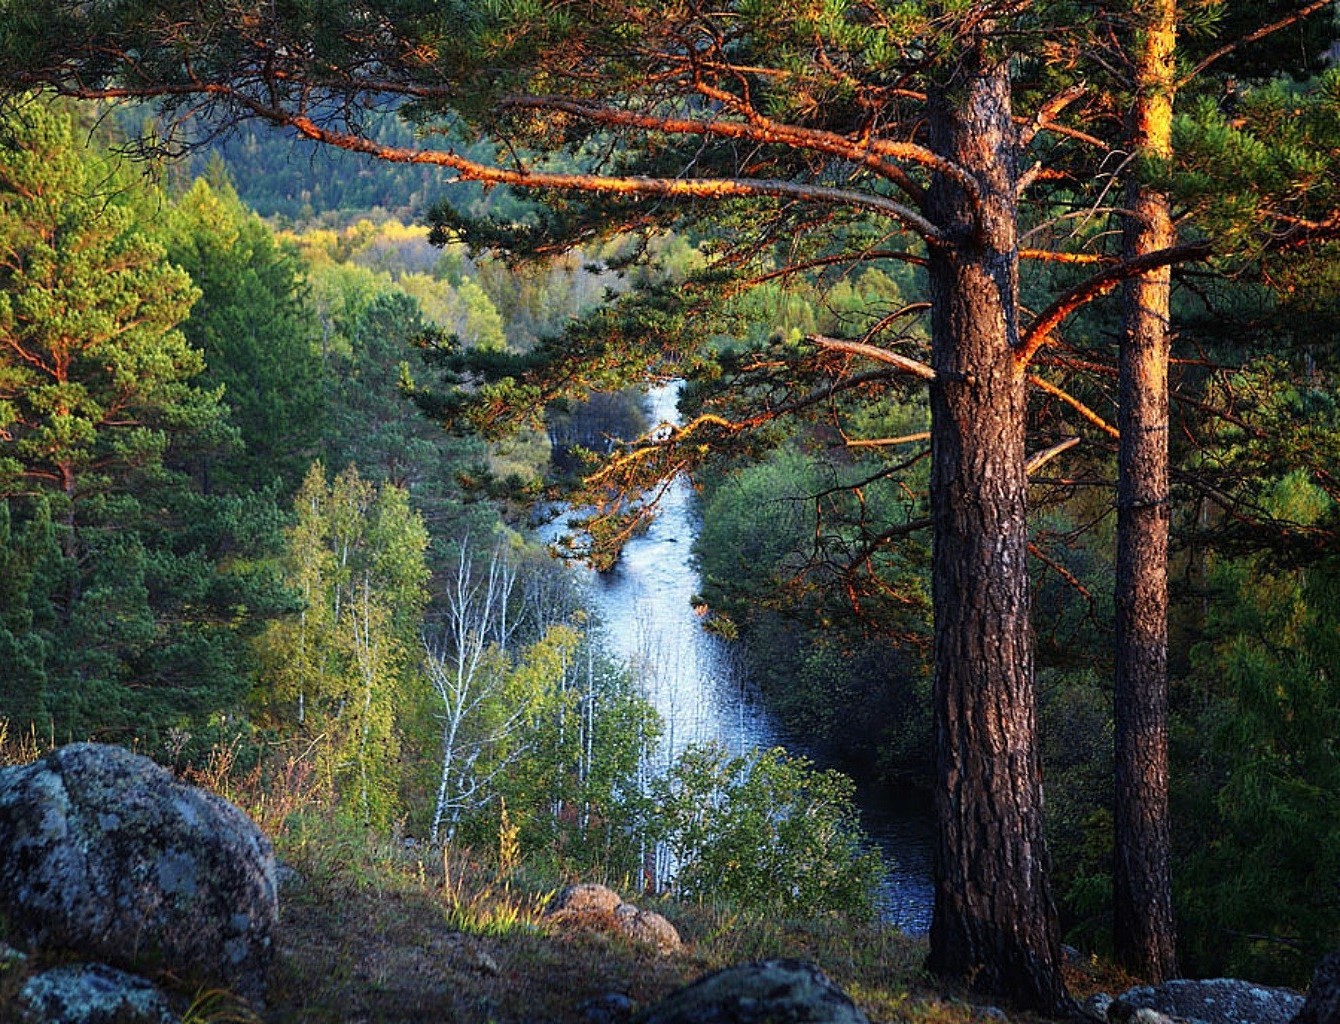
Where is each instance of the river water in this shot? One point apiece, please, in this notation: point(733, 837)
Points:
point(697, 683)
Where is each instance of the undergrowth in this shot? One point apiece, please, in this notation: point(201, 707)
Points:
point(377, 927)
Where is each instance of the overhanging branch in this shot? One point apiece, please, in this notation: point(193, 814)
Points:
point(1100, 284)
point(688, 188)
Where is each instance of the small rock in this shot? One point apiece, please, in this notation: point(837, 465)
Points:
point(1146, 1015)
point(611, 1008)
point(485, 964)
point(793, 991)
point(992, 1013)
point(91, 994)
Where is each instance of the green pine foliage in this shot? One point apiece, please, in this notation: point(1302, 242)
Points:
point(131, 597)
point(258, 334)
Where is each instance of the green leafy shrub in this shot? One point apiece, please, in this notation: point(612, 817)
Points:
point(765, 830)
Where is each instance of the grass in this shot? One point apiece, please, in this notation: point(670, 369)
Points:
point(377, 931)
point(416, 945)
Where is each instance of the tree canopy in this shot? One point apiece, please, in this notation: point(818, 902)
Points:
point(962, 139)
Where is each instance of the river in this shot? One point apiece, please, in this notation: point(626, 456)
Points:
point(695, 680)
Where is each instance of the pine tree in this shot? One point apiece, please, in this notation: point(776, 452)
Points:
point(94, 372)
point(258, 336)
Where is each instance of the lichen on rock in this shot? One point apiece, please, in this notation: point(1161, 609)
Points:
point(91, 994)
point(105, 854)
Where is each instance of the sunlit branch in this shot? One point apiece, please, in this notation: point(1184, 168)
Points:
point(1050, 256)
point(904, 364)
point(719, 188)
point(882, 442)
point(473, 170)
point(1075, 404)
point(1059, 569)
point(1039, 459)
point(1049, 110)
point(1100, 284)
point(756, 128)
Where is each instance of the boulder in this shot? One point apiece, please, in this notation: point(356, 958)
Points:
point(104, 854)
point(91, 994)
point(647, 928)
point(767, 992)
point(587, 898)
point(1214, 1001)
point(597, 906)
point(1323, 995)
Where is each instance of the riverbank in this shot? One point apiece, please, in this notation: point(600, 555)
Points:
point(698, 683)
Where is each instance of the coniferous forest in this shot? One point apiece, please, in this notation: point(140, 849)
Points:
point(1008, 337)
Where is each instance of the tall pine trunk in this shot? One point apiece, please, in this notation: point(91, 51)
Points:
point(1144, 929)
point(994, 922)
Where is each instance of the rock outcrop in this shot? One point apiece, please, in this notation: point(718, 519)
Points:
point(596, 906)
point(104, 854)
point(767, 992)
point(1323, 995)
point(1213, 1001)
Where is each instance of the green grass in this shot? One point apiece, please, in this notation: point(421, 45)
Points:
point(377, 932)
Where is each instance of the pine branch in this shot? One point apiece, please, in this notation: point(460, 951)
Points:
point(1098, 285)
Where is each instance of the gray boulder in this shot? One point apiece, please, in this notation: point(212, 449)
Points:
point(104, 854)
point(1214, 1001)
point(91, 994)
point(767, 992)
point(1323, 995)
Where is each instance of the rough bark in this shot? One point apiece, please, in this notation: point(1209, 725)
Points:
point(994, 923)
point(1144, 928)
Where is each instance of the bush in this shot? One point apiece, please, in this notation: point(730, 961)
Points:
point(765, 830)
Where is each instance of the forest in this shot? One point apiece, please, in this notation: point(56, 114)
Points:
point(1008, 341)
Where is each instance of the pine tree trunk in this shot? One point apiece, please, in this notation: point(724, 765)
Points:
point(994, 923)
point(1144, 928)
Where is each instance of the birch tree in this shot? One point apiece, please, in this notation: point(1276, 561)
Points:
point(342, 669)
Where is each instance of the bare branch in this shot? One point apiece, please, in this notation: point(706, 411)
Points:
point(1049, 110)
point(1075, 404)
point(1059, 569)
point(902, 363)
point(1039, 459)
point(1307, 9)
point(881, 442)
